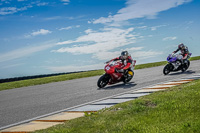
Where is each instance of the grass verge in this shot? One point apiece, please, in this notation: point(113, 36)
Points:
point(38, 81)
point(175, 110)
point(195, 58)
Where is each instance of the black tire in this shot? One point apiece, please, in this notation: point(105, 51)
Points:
point(166, 69)
point(126, 80)
point(188, 64)
point(103, 80)
point(185, 66)
point(183, 69)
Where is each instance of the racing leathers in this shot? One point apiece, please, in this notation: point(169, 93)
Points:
point(184, 53)
point(127, 62)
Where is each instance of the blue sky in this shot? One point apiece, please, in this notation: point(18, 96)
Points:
point(44, 37)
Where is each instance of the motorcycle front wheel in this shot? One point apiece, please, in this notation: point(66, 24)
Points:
point(166, 69)
point(103, 80)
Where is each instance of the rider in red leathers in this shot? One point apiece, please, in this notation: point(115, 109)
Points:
point(126, 60)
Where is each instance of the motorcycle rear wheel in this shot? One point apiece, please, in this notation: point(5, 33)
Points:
point(185, 66)
point(188, 64)
point(166, 69)
point(103, 80)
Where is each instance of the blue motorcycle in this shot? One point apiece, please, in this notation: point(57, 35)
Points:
point(176, 64)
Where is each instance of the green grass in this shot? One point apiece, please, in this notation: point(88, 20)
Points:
point(175, 110)
point(195, 58)
point(38, 81)
point(148, 65)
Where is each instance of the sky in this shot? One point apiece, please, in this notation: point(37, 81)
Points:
point(55, 36)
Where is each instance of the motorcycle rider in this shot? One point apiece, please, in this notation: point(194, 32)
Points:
point(127, 61)
point(184, 52)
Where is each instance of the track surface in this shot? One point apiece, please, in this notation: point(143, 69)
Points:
point(25, 103)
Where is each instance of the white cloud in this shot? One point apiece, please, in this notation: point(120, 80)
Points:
point(88, 31)
point(42, 4)
point(10, 66)
point(105, 44)
point(22, 52)
point(65, 42)
point(41, 32)
point(95, 42)
point(65, 2)
point(53, 18)
point(12, 10)
point(169, 38)
point(66, 28)
point(70, 27)
point(155, 27)
point(145, 54)
point(142, 27)
point(140, 9)
point(135, 52)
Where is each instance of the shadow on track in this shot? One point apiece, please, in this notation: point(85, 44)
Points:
point(120, 85)
point(179, 73)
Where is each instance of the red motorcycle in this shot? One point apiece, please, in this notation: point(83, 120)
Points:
point(111, 77)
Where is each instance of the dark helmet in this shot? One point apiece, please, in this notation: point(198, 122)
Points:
point(181, 46)
point(124, 54)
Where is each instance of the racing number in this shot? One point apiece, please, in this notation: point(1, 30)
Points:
point(107, 68)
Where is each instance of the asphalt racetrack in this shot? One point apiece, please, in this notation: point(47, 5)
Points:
point(25, 103)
